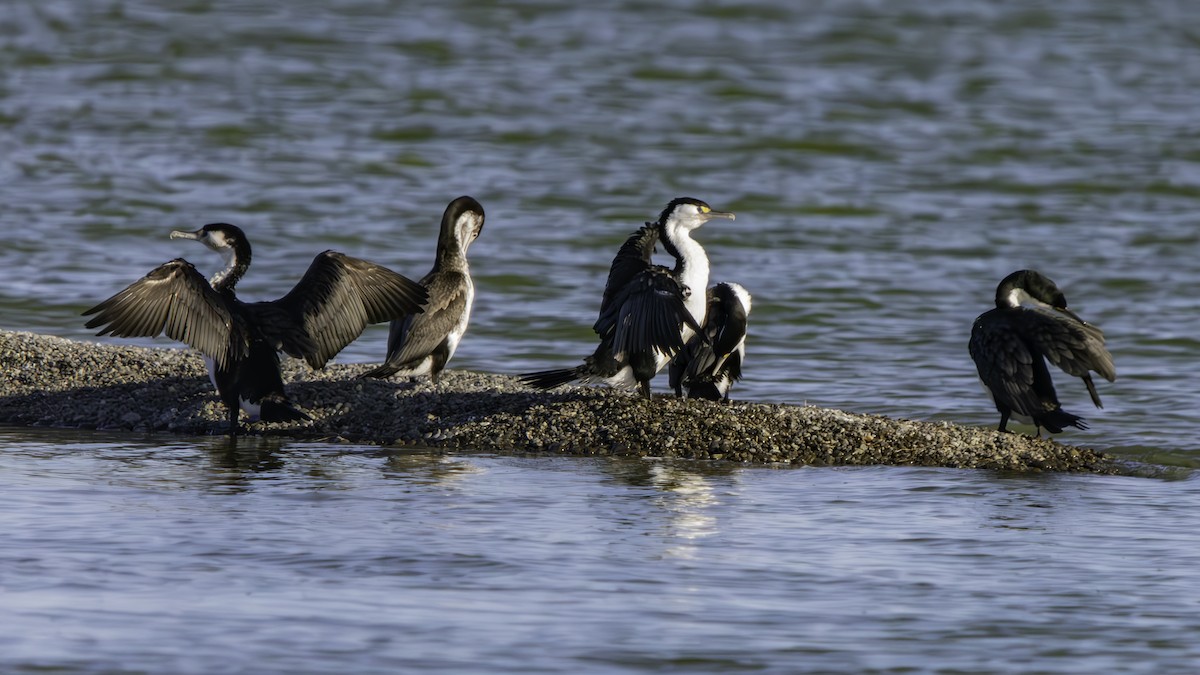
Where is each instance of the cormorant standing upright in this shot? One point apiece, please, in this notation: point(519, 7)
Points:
point(421, 344)
point(648, 311)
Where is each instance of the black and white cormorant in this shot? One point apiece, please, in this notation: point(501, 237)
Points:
point(329, 307)
point(421, 344)
point(648, 311)
point(1011, 344)
point(711, 361)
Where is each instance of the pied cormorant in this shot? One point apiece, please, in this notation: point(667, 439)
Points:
point(711, 361)
point(1011, 343)
point(329, 307)
point(422, 344)
point(648, 311)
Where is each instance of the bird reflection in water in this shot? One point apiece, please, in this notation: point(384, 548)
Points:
point(686, 498)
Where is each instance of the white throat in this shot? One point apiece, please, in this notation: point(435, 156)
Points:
point(220, 276)
point(694, 274)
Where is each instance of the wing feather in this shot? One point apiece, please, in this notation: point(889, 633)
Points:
point(632, 259)
point(417, 335)
point(1068, 342)
point(341, 295)
point(176, 300)
point(1005, 364)
point(647, 314)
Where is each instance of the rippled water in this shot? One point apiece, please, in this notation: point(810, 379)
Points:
point(175, 556)
point(889, 163)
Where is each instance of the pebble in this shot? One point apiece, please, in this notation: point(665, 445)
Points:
point(51, 381)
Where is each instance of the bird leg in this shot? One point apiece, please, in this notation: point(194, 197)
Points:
point(233, 421)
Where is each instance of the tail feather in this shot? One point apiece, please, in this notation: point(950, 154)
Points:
point(381, 371)
point(706, 390)
point(1054, 421)
point(1091, 387)
point(276, 408)
point(549, 379)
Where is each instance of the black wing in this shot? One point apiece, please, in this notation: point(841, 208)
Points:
point(704, 362)
point(679, 366)
point(725, 326)
point(175, 299)
point(1016, 375)
point(632, 259)
point(647, 314)
point(1067, 341)
point(724, 334)
point(338, 297)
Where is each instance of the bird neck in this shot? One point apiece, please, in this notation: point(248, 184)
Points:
point(451, 255)
point(690, 258)
point(1016, 296)
point(237, 261)
point(691, 267)
point(1027, 287)
point(455, 236)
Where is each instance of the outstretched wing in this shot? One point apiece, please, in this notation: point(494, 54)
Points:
point(338, 297)
point(1017, 378)
point(1067, 341)
point(175, 299)
point(632, 259)
point(647, 314)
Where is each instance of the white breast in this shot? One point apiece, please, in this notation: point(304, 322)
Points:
point(460, 328)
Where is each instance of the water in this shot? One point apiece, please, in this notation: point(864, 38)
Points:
point(177, 556)
point(889, 162)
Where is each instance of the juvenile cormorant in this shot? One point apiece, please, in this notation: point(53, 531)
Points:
point(1011, 343)
point(337, 297)
point(648, 311)
point(421, 344)
point(712, 360)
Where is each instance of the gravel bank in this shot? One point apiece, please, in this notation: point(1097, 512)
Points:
point(49, 381)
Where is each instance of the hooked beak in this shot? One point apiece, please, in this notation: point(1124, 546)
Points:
point(721, 214)
point(180, 234)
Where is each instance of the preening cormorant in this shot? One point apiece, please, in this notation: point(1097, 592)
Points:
point(422, 344)
point(1011, 344)
point(711, 361)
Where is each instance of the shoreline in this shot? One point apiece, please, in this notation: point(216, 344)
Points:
point(47, 381)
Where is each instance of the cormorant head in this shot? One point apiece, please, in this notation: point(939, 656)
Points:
point(461, 222)
point(1024, 285)
point(231, 243)
point(687, 214)
point(220, 237)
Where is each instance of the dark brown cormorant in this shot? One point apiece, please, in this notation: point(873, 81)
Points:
point(421, 344)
